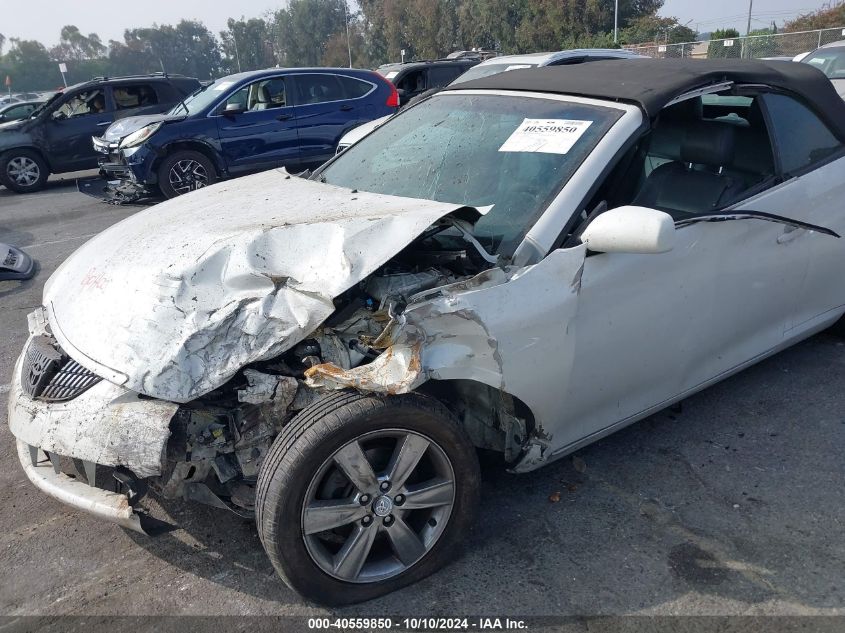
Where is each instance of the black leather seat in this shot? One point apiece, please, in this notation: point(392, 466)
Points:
point(699, 183)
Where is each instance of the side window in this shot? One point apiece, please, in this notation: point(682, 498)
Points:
point(442, 75)
point(83, 103)
point(355, 88)
point(413, 82)
point(19, 111)
point(800, 137)
point(265, 94)
point(318, 88)
point(128, 96)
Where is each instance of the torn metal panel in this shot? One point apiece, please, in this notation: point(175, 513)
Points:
point(396, 370)
point(175, 313)
point(266, 387)
point(106, 425)
point(470, 330)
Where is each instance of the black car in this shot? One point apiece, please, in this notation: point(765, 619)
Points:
point(414, 78)
point(56, 137)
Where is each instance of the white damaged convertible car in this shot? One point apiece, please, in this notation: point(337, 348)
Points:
point(523, 263)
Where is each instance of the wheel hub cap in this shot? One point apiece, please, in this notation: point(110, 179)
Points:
point(383, 506)
point(23, 171)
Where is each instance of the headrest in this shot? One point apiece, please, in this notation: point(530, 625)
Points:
point(709, 143)
point(263, 94)
point(684, 111)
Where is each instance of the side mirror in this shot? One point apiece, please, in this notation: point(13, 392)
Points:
point(232, 109)
point(630, 230)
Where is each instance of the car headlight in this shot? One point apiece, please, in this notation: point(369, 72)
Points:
point(139, 136)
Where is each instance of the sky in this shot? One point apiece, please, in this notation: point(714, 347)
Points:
point(43, 19)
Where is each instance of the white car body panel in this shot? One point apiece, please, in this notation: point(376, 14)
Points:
point(356, 134)
point(250, 275)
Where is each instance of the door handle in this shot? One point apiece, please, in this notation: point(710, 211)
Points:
point(283, 117)
point(345, 108)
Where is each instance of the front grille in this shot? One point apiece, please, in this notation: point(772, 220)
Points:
point(49, 374)
point(11, 260)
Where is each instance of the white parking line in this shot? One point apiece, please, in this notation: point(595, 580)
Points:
point(67, 239)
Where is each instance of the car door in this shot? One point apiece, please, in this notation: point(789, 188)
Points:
point(71, 124)
point(653, 327)
point(812, 169)
point(323, 115)
point(262, 133)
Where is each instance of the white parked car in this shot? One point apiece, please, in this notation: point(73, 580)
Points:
point(505, 63)
point(496, 65)
point(830, 59)
point(523, 267)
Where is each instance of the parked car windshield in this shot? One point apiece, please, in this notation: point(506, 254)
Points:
point(506, 155)
point(485, 70)
point(203, 97)
point(831, 61)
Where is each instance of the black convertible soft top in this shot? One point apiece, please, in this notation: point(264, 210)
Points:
point(653, 83)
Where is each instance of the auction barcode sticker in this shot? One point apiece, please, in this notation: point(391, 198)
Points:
point(547, 136)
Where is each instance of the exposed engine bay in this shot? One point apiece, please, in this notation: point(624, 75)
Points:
point(218, 441)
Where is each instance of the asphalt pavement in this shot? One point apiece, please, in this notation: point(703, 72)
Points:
point(729, 504)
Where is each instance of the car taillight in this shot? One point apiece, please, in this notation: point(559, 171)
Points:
point(393, 99)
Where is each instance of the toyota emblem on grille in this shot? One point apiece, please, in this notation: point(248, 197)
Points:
point(40, 365)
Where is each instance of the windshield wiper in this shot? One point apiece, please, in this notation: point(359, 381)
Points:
point(726, 216)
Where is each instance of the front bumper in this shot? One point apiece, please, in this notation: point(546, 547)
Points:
point(134, 164)
point(105, 425)
point(102, 504)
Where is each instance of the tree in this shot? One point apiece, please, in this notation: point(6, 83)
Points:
point(247, 45)
point(2, 42)
point(302, 30)
point(718, 41)
point(188, 48)
point(653, 28)
point(29, 64)
point(490, 24)
point(821, 19)
point(73, 45)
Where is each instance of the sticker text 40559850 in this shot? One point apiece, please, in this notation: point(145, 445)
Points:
point(548, 136)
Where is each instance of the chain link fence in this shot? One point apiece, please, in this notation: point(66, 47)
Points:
point(786, 45)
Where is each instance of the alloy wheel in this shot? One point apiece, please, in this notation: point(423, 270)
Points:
point(378, 505)
point(23, 171)
point(187, 175)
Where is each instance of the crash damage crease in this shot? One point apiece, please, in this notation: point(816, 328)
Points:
point(105, 425)
point(458, 331)
point(251, 275)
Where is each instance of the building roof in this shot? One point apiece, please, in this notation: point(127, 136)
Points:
point(653, 83)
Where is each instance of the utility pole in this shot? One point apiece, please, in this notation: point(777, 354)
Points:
point(748, 28)
point(348, 42)
point(237, 54)
point(616, 22)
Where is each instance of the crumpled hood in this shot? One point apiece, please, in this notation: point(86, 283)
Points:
point(124, 127)
point(172, 301)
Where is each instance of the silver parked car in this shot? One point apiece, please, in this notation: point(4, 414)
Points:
point(523, 267)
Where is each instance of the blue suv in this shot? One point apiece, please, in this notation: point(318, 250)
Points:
point(291, 117)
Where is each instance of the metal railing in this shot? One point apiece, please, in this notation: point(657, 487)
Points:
point(746, 47)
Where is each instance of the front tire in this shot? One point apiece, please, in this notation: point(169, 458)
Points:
point(23, 171)
point(362, 494)
point(185, 171)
